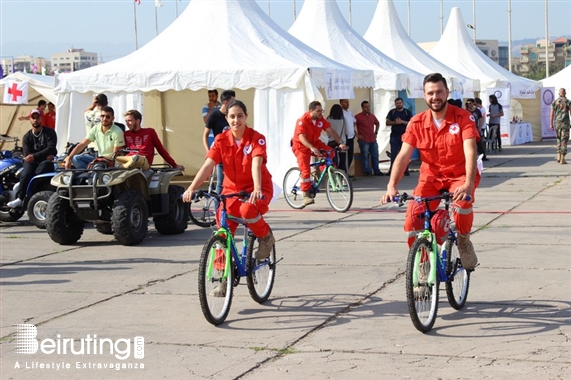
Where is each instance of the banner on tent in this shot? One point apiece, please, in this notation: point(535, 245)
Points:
point(503, 95)
point(15, 92)
point(523, 91)
point(338, 84)
point(547, 98)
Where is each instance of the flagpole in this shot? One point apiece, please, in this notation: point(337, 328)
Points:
point(269, 12)
point(294, 11)
point(136, 38)
point(441, 18)
point(408, 18)
point(350, 14)
point(156, 22)
point(176, 7)
point(547, 40)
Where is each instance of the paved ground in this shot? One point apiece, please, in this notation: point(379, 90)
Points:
point(338, 310)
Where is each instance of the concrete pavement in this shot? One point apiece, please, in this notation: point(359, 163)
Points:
point(338, 308)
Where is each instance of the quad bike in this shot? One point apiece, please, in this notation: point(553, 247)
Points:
point(11, 164)
point(118, 201)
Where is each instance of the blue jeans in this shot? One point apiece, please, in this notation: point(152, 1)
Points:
point(396, 145)
point(80, 161)
point(372, 149)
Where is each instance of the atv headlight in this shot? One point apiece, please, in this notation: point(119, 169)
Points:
point(66, 179)
point(106, 178)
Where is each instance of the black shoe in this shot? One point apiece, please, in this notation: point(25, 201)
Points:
point(367, 174)
point(407, 173)
point(379, 174)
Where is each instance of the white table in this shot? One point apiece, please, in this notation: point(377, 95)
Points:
point(520, 133)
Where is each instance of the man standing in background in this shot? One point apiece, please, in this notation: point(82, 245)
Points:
point(217, 123)
point(560, 110)
point(349, 131)
point(367, 130)
point(495, 113)
point(398, 119)
point(212, 104)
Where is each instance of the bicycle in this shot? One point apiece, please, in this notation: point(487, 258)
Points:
point(203, 209)
point(338, 186)
point(221, 265)
point(427, 267)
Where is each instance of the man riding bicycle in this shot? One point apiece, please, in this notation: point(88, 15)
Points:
point(306, 141)
point(445, 137)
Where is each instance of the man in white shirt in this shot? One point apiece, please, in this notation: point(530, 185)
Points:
point(350, 131)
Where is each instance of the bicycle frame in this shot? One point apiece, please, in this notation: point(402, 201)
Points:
point(328, 161)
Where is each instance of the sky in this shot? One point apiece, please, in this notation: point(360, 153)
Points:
point(107, 26)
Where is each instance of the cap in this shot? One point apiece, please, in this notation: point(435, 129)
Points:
point(35, 111)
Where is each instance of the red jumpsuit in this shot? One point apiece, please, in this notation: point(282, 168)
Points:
point(236, 158)
point(443, 161)
point(305, 125)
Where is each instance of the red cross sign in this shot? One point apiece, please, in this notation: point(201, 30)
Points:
point(15, 92)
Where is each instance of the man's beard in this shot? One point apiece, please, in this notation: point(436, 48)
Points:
point(436, 109)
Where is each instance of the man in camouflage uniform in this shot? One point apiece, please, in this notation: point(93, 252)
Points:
point(560, 110)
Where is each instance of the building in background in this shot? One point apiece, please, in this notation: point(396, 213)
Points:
point(24, 63)
point(534, 55)
point(73, 60)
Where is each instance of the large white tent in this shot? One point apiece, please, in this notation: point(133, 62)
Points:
point(560, 80)
point(223, 44)
point(387, 34)
point(321, 24)
point(457, 50)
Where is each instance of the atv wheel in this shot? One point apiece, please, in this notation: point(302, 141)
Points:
point(104, 228)
point(176, 221)
point(37, 208)
point(10, 216)
point(130, 218)
point(62, 224)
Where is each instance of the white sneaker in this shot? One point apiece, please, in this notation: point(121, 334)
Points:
point(15, 203)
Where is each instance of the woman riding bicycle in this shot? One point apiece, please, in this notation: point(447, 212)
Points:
point(446, 139)
point(242, 152)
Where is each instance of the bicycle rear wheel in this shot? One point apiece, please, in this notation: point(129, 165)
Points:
point(261, 274)
point(214, 291)
point(422, 298)
point(292, 190)
point(459, 283)
point(203, 212)
point(339, 191)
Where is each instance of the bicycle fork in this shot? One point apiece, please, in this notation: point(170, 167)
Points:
point(432, 258)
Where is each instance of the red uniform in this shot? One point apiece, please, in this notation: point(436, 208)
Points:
point(305, 125)
point(443, 160)
point(236, 158)
point(49, 120)
point(146, 140)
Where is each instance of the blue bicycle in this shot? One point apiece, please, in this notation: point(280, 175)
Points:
point(222, 265)
point(427, 266)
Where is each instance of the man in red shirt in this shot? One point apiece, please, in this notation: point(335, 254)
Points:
point(305, 142)
point(445, 137)
point(49, 119)
point(144, 140)
point(367, 129)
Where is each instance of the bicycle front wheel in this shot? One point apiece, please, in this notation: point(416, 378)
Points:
point(292, 190)
point(458, 277)
point(261, 274)
point(421, 297)
point(215, 290)
point(339, 190)
point(203, 212)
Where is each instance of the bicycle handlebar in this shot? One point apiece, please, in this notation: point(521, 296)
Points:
point(201, 194)
point(405, 197)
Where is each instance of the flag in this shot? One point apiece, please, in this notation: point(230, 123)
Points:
point(158, 3)
point(1, 72)
point(43, 70)
point(138, 2)
point(15, 92)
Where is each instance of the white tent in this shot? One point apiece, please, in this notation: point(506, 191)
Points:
point(42, 84)
point(387, 34)
point(457, 50)
point(223, 44)
point(560, 80)
point(322, 25)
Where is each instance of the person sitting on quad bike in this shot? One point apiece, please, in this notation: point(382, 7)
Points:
point(108, 137)
point(142, 142)
point(39, 148)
